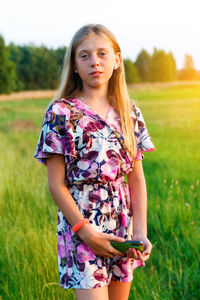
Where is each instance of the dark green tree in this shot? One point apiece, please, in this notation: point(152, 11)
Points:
point(143, 64)
point(131, 71)
point(172, 67)
point(7, 70)
point(16, 57)
point(163, 66)
point(37, 67)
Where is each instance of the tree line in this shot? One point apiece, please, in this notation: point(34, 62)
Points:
point(29, 67)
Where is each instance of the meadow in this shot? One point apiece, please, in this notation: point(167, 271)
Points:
point(28, 215)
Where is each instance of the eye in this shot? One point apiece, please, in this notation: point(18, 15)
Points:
point(102, 53)
point(84, 56)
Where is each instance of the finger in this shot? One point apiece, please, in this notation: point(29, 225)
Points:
point(145, 255)
point(141, 257)
point(148, 246)
point(107, 254)
point(145, 258)
point(114, 238)
point(129, 253)
point(118, 253)
point(115, 251)
point(132, 253)
point(147, 250)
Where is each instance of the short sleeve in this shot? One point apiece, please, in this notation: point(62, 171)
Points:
point(143, 138)
point(56, 136)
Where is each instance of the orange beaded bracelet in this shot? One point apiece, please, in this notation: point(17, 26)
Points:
point(79, 225)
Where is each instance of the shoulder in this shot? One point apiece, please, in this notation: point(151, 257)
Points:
point(61, 107)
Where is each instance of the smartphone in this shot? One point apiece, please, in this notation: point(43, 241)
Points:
point(124, 246)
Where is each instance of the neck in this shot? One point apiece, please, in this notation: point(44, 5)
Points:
point(95, 95)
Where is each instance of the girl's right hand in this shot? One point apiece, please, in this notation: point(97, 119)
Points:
point(99, 242)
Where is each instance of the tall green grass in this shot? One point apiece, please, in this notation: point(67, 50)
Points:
point(28, 255)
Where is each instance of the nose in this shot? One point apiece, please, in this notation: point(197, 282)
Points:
point(94, 61)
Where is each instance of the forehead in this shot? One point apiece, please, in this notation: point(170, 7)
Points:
point(93, 43)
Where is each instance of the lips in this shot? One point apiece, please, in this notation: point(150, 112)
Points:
point(95, 72)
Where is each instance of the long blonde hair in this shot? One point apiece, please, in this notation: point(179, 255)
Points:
point(71, 84)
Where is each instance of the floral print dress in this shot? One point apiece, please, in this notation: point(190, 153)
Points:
point(96, 161)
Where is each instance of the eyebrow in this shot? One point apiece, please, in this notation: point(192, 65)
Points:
point(105, 49)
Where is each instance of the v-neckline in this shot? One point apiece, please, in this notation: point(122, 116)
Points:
point(94, 112)
point(118, 134)
point(91, 112)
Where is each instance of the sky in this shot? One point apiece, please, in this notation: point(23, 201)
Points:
point(172, 25)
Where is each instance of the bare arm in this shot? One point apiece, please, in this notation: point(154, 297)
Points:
point(138, 198)
point(138, 195)
point(98, 242)
point(59, 191)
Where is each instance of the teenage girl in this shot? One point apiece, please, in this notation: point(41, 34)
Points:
point(92, 136)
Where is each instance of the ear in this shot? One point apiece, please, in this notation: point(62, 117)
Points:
point(117, 60)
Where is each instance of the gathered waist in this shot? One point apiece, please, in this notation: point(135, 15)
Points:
point(120, 180)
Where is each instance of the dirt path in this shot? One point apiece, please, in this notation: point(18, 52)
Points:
point(137, 86)
point(28, 95)
point(147, 86)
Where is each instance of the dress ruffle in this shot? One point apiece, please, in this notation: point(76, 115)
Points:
point(143, 138)
point(56, 136)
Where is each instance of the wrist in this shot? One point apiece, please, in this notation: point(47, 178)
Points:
point(140, 233)
point(79, 225)
point(85, 232)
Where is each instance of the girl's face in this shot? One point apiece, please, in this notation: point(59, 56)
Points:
point(95, 61)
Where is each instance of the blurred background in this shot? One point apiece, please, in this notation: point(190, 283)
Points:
point(159, 39)
point(161, 50)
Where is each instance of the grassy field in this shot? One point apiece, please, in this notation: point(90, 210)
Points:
point(28, 219)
